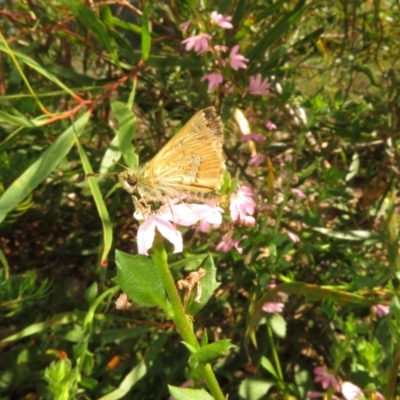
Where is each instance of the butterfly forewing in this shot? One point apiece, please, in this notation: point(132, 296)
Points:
point(191, 163)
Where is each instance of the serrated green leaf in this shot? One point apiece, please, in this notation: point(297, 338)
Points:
point(139, 278)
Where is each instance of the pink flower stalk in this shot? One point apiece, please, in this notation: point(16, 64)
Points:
point(256, 160)
point(185, 26)
point(214, 80)
point(169, 215)
point(326, 379)
point(257, 137)
point(198, 42)
point(258, 87)
point(299, 193)
point(315, 395)
point(237, 60)
point(273, 307)
point(227, 243)
point(293, 237)
point(381, 310)
point(351, 391)
point(242, 206)
point(220, 20)
point(270, 125)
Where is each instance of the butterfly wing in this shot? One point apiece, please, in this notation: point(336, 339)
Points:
point(190, 163)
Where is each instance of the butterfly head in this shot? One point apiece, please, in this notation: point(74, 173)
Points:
point(129, 180)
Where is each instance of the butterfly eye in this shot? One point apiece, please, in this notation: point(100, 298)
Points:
point(131, 180)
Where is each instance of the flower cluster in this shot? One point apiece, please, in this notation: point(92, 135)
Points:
point(202, 43)
point(347, 389)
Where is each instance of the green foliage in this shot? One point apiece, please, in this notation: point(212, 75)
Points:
point(85, 86)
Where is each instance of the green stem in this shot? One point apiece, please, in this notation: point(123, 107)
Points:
point(183, 322)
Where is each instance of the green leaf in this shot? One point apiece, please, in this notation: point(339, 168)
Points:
point(41, 168)
point(360, 235)
point(189, 394)
point(267, 365)
point(354, 167)
point(18, 120)
point(139, 278)
point(100, 204)
point(146, 38)
point(62, 379)
point(208, 283)
point(138, 371)
point(278, 325)
point(126, 131)
point(37, 67)
point(395, 308)
point(240, 11)
point(90, 20)
point(254, 389)
point(210, 353)
point(282, 26)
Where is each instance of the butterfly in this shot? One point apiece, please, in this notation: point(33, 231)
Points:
point(190, 165)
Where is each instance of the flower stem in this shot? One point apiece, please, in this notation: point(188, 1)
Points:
point(182, 321)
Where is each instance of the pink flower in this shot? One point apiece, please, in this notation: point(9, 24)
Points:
point(293, 237)
point(326, 379)
point(270, 125)
point(185, 26)
point(256, 160)
point(242, 206)
point(237, 60)
point(273, 307)
point(169, 215)
point(214, 80)
point(299, 192)
point(198, 42)
point(227, 243)
point(220, 20)
point(189, 214)
point(147, 231)
point(258, 88)
point(282, 295)
point(257, 137)
point(381, 309)
point(350, 391)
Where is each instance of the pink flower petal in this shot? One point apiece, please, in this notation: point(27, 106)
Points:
point(351, 391)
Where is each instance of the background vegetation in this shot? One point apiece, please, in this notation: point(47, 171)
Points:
point(81, 81)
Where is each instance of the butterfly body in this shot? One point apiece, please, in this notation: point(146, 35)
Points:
point(191, 164)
